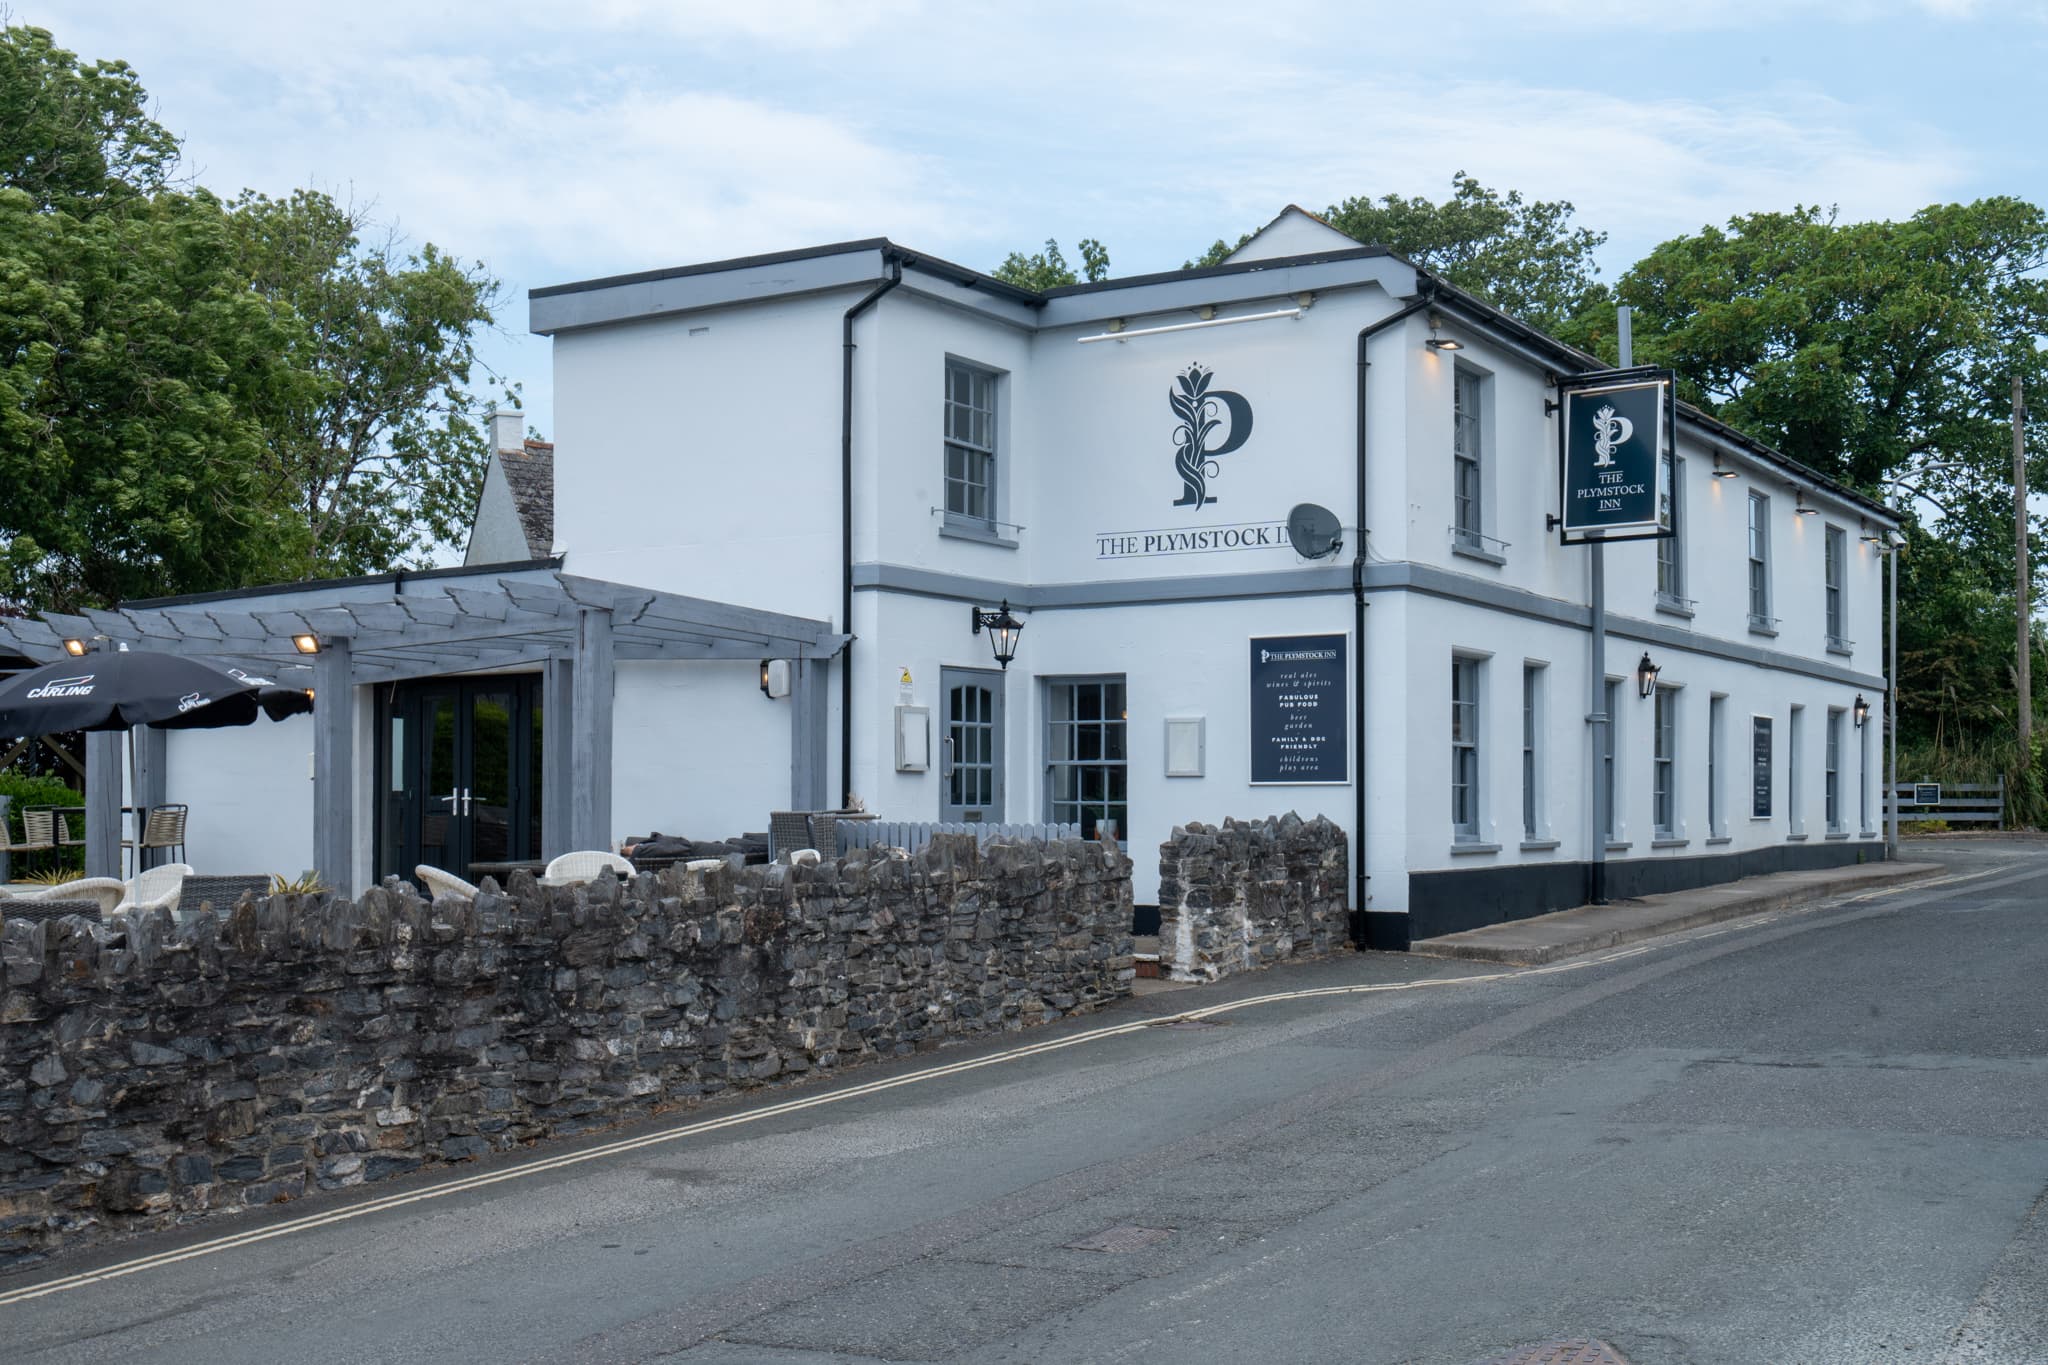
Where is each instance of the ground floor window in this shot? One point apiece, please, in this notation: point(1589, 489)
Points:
point(1087, 762)
point(1834, 771)
point(1465, 749)
point(1612, 705)
point(1717, 813)
point(1664, 759)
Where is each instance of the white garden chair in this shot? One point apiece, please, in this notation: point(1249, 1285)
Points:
point(441, 883)
point(571, 868)
point(157, 888)
point(108, 891)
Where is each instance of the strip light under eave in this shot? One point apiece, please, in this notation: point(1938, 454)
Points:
point(1191, 326)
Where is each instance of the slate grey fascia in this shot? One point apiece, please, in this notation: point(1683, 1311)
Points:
point(1331, 580)
point(635, 297)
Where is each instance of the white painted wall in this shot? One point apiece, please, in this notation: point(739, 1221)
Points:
point(696, 750)
point(251, 793)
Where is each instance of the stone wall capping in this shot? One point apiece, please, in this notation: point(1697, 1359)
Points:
point(153, 1070)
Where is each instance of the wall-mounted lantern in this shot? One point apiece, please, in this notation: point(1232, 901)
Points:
point(774, 678)
point(76, 648)
point(1003, 630)
point(1437, 343)
point(1721, 471)
point(1860, 709)
point(306, 644)
point(1646, 676)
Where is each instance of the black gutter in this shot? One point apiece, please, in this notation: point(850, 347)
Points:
point(894, 260)
point(1391, 935)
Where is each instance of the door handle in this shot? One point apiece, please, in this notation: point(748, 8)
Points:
point(454, 800)
point(468, 795)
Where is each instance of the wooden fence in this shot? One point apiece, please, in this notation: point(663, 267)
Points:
point(915, 834)
point(1956, 802)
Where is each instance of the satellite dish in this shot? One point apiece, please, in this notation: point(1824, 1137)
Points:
point(1315, 531)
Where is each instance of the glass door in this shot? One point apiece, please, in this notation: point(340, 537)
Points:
point(459, 774)
point(971, 774)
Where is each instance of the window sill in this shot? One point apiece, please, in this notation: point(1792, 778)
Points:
point(1474, 552)
point(1539, 845)
point(1866, 834)
point(1613, 847)
point(1671, 606)
point(981, 532)
point(1720, 839)
point(1841, 651)
point(1465, 846)
point(1670, 843)
point(1836, 834)
point(1795, 838)
point(1755, 629)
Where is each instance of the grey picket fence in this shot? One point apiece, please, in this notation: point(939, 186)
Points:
point(1961, 802)
point(913, 835)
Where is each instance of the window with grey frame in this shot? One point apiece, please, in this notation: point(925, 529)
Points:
point(1467, 457)
point(1717, 719)
point(1087, 767)
point(1531, 721)
point(970, 443)
point(1832, 774)
point(1670, 563)
point(1863, 779)
point(1611, 701)
point(1664, 763)
point(1465, 750)
point(1835, 550)
point(1760, 563)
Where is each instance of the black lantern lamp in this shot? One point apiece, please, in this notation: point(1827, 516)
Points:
point(1860, 709)
point(1003, 630)
point(1646, 676)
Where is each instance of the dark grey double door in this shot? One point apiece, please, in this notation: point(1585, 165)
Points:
point(459, 773)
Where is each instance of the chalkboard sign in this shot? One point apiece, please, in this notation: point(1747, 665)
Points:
point(1926, 793)
point(1298, 725)
point(1760, 767)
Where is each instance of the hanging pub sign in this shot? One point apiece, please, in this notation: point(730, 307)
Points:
point(1297, 709)
point(1615, 447)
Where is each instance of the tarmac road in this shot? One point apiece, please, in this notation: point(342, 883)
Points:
point(1821, 1136)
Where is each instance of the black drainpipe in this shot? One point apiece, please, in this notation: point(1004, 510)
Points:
point(1362, 935)
point(895, 264)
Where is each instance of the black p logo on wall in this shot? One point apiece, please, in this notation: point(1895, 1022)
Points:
point(1201, 413)
point(1615, 448)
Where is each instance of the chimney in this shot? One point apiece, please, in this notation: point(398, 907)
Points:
point(508, 428)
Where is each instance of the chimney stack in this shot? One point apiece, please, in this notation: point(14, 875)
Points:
point(508, 428)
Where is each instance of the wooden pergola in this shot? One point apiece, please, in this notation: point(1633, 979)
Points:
point(429, 625)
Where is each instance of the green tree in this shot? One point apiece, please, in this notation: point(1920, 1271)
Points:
point(195, 395)
point(1048, 269)
point(384, 453)
point(1521, 255)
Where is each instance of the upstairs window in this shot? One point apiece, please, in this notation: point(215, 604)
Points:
point(1760, 564)
point(970, 443)
point(1837, 555)
point(1468, 459)
point(1670, 564)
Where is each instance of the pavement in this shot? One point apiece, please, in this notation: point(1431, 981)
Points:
point(1817, 1135)
point(1589, 928)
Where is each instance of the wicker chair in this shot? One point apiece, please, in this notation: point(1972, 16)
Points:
point(64, 839)
point(157, 889)
point(38, 833)
point(439, 883)
point(572, 868)
point(108, 891)
point(164, 827)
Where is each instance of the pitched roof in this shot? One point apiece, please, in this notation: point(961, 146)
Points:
point(530, 474)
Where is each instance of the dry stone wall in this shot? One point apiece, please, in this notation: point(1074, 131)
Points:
point(150, 1072)
point(1248, 894)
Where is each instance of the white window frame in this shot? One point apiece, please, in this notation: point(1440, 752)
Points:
point(1468, 825)
point(1664, 762)
point(1834, 579)
point(1471, 471)
point(1670, 553)
point(1059, 756)
point(981, 460)
point(1759, 545)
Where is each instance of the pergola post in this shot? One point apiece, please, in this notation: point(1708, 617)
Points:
point(103, 803)
point(152, 784)
point(557, 779)
point(807, 739)
point(590, 727)
point(334, 765)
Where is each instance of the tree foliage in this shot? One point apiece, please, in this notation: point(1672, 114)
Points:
point(1048, 269)
point(198, 395)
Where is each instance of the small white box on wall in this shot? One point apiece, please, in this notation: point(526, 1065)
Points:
point(1186, 745)
point(913, 739)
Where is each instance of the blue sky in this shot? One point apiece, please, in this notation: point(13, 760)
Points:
point(558, 142)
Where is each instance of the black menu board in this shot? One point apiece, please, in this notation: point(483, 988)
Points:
point(1760, 767)
point(1298, 724)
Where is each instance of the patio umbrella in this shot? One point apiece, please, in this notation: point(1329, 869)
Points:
point(124, 688)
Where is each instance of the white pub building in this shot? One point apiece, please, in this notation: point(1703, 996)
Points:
point(857, 457)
